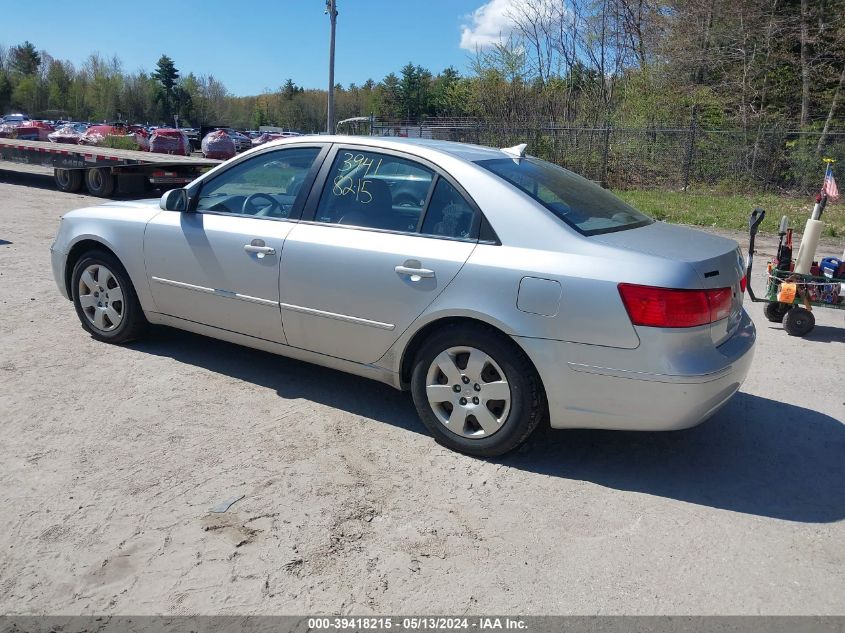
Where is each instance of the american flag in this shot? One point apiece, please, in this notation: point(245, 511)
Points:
point(829, 187)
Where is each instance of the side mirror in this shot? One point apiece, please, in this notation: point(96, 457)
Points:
point(174, 200)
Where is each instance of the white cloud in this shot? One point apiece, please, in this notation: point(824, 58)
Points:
point(495, 20)
point(489, 24)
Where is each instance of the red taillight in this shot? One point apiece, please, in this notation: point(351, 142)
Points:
point(720, 303)
point(668, 307)
point(742, 283)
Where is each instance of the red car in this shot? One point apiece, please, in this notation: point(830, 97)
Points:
point(170, 141)
point(96, 134)
point(34, 131)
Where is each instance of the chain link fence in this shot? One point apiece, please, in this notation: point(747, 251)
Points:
point(680, 158)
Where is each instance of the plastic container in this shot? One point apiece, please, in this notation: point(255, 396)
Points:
point(830, 267)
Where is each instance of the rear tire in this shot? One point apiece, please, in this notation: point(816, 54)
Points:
point(100, 182)
point(105, 299)
point(476, 391)
point(775, 311)
point(68, 180)
point(799, 322)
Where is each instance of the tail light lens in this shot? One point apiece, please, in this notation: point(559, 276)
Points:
point(720, 303)
point(669, 307)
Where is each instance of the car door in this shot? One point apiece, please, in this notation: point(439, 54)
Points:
point(360, 268)
point(218, 264)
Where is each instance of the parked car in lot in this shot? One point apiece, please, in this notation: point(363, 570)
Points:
point(513, 292)
point(242, 141)
point(170, 141)
point(69, 133)
point(218, 145)
point(34, 131)
point(266, 137)
point(15, 118)
point(10, 125)
point(98, 135)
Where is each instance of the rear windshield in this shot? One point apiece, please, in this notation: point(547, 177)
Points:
point(580, 203)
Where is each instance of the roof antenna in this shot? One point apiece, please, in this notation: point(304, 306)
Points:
point(517, 151)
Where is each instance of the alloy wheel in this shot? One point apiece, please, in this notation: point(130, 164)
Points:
point(101, 298)
point(468, 392)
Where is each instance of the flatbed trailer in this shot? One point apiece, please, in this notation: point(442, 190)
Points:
point(104, 170)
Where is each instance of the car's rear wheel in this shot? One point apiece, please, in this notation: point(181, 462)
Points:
point(105, 300)
point(476, 391)
point(68, 180)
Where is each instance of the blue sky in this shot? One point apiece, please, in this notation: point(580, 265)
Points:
point(256, 44)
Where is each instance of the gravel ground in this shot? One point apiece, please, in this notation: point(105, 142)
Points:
point(112, 456)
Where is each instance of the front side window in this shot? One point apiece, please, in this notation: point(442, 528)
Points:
point(580, 203)
point(266, 185)
point(373, 190)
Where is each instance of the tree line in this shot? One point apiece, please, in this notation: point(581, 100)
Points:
point(747, 65)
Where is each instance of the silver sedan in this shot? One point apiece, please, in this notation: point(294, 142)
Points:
point(501, 290)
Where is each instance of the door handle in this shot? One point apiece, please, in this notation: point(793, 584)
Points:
point(258, 247)
point(414, 273)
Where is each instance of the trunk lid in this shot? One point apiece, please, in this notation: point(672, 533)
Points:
point(717, 261)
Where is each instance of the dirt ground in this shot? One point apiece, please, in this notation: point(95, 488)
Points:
point(111, 458)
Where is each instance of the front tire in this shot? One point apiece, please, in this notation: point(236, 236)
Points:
point(476, 392)
point(105, 299)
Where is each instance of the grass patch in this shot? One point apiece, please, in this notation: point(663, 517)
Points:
point(732, 211)
point(119, 142)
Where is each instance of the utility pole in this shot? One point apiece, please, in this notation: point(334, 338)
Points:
point(331, 9)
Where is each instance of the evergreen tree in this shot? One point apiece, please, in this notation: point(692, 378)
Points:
point(389, 97)
point(25, 59)
point(167, 74)
point(289, 90)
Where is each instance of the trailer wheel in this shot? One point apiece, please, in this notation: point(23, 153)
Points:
point(775, 311)
point(100, 182)
point(68, 180)
point(799, 322)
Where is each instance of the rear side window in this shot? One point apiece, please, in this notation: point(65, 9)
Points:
point(373, 190)
point(582, 204)
point(448, 214)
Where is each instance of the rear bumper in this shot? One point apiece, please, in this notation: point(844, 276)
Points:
point(587, 389)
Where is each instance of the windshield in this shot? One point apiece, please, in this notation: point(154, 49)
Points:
point(580, 203)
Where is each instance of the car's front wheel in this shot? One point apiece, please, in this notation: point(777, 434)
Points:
point(105, 299)
point(476, 391)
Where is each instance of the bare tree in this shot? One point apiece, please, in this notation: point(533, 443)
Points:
point(805, 63)
point(834, 103)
